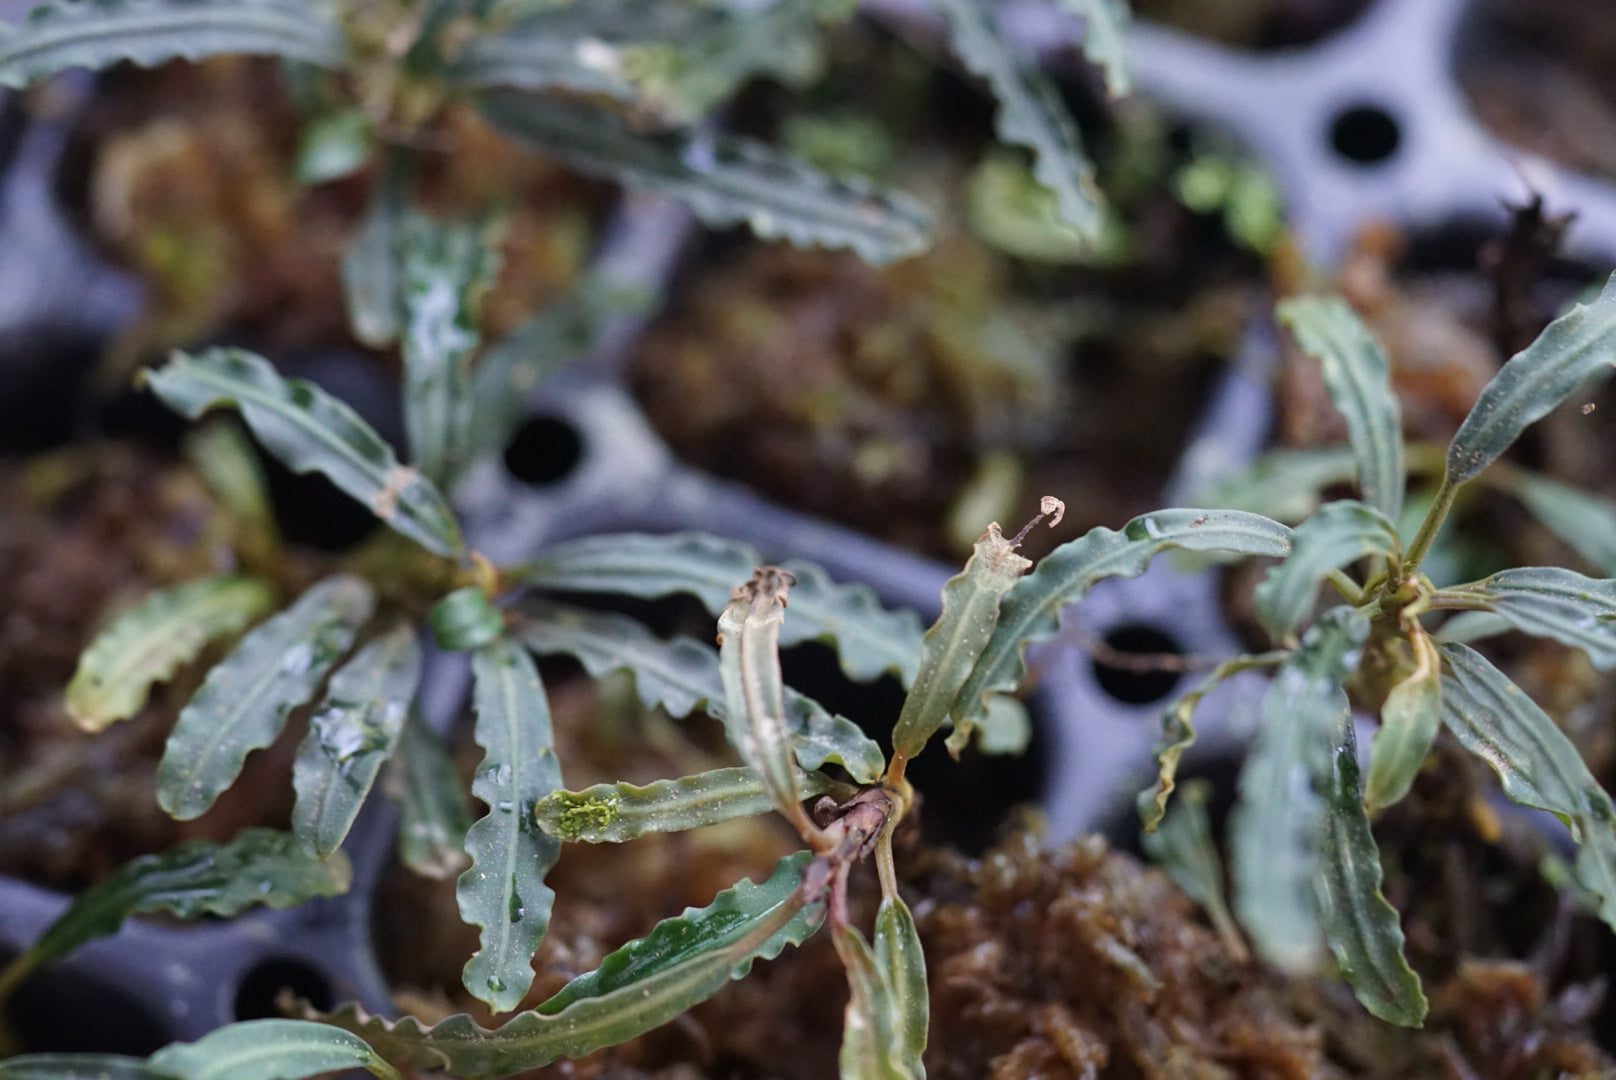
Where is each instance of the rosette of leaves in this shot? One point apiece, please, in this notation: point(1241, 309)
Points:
point(1306, 870)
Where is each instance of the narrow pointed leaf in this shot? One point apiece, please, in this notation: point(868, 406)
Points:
point(1584, 521)
point(192, 879)
point(726, 180)
point(754, 695)
point(1286, 485)
point(225, 457)
point(242, 705)
point(1560, 604)
point(1342, 532)
point(1274, 828)
point(147, 643)
point(269, 1050)
point(646, 983)
point(870, 640)
point(1183, 846)
point(372, 266)
point(351, 734)
point(311, 431)
point(1359, 378)
point(78, 1067)
point(897, 952)
point(433, 817)
point(503, 891)
point(1031, 610)
point(1538, 766)
point(1105, 39)
point(870, 1025)
point(1361, 928)
point(1575, 347)
point(614, 813)
point(60, 35)
point(951, 647)
point(1409, 720)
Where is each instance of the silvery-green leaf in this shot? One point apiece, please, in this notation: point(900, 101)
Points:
point(351, 733)
point(1359, 379)
point(1361, 928)
point(1495, 720)
point(242, 704)
point(60, 35)
point(897, 952)
point(951, 647)
point(1286, 485)
point(1004, 728)
point(1576, 346)
point(1586, 522)
point(335, 146)
point(754, 694)
point(269, 1050)
point(870, 640)
point(1274, 828)
point(726, 180)
point(311, 431)
point(1031, 112)
point(646, 983)
point(1183, 846)
point(1031, 610)
point(613, 813)
point(73, 1066)
point(1105, 39)
point(1409, 720)
point(503, 891)
point(871, 1033)
point(433, 817)
point(1554, 603)
point(1468, 626)
point(1342, 532)
point(819, 736)
point(372, 267)
point(191, 879)
point(145, 644)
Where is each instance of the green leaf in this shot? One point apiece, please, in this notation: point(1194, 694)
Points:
point(351, 733)
point(1274, 828)
point(1340, 533)
point(504, 891)
point(1360, 926)
point(60, 35)
point(433, 817)
point(1584, 521)
point(869, 639)
point(465, 619)
point(224, 455)
point(1360, 382)
point(145, 644)
point(726, 180)
point(1574, 347)
point(77, 1067)
point(1468, 626)
point(1105, 39)
point(269, 1050)
point(646, 983)
point(819, 736)
point(1031, 610)
point(446, 271)
point(1031, 112)
point(1554, 603)
point(335, 145)
point(1286, 485)
point(898, 954)
point(614, 813)
point(192, 879)
point(951, 647)
point(754, 695)
point(372, 267)
point(1183, 846)
point(1409, 720)
point(1495, 720)
point(871, 1036)
point(311, 431)
point(242, 705)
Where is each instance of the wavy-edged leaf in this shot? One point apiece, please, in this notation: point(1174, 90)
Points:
point(754, 694)
point(897, 951)
point(1031, 112)
point(726, 180)
point(1574, 347)
point(1183, 846)
point(77, 1067)
point(1105, 39)
point(372, 267)
point(269, 1050)
point(1274, 828)
point(145, 644)
point(950, 648)
point(503, 891)
point(446, 270)
point(242, 704)
point(1586, 522)
point(1409, 720)
point(192, 879)
point(1286, 485)
point(1359, 378)
point(433, 816)
point(1361, 928)
point(311, 431)
point(1552, 602)
point(646, 983)
point(60, 35)
point(351, 733)
point(1538, 766)
point(1031, 610)
point(614, 813)
point(869, 639)
point(1340, 533)
point(819, 736)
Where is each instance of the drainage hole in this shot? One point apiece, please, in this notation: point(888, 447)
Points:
point(1138, 683)
point(1365, 134)
point(264, 982)
point(544, 450)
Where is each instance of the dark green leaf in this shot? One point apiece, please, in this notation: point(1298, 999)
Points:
point(433, 817)
point(1560, 604)
point(1342, 532)
point(613, 813)
point(465, 619)
point(819, 736)
point(1409, 720)
point(1183, 846)
point(269, 1050)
